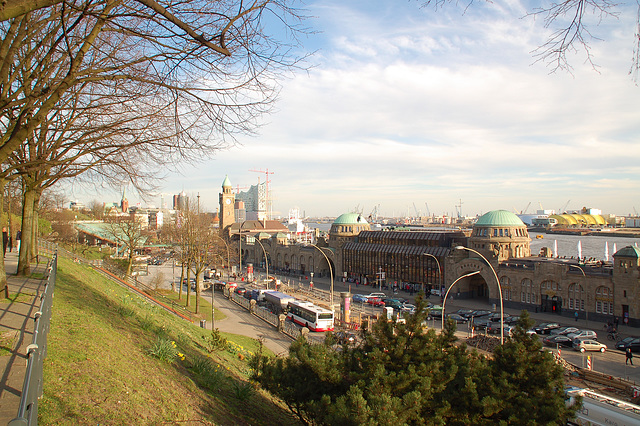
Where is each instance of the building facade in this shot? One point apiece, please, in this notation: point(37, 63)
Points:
point(496, 250)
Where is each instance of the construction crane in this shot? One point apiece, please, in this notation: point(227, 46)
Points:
point(268, 195)
point(459, 208)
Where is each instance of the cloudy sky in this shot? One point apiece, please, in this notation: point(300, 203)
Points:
point(413, 106)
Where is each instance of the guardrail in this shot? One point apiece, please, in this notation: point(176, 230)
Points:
point(36, 353)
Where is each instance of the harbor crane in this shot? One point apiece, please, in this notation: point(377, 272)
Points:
point(563, 208)
point(427, 206)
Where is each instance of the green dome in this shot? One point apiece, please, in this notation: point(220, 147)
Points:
point(628, 251)
point(499, 218)
point(226, 182)
point(350, 219)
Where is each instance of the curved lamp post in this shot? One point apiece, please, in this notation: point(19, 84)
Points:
point(330, 273)
point(586, 310)
point(228, 253)
point(499, 288)
point(266, 260)
point(449, 289)
point(439, 269)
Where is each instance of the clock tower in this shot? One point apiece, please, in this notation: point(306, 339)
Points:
point(227, 202)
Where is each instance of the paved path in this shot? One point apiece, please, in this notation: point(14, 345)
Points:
point(16, 330)
point(240, 321)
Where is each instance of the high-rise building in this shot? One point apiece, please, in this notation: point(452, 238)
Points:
point(255, 201)
point(180, 201)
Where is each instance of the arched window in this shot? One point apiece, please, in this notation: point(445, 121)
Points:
point(576, 297)
point(604, 300)
point(505, 285)
point(526, 287)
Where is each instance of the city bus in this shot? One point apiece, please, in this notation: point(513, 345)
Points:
point(311, 316)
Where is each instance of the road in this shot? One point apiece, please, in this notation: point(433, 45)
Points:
point(238, 321)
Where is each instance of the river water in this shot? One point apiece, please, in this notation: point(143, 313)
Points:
point(592, 246)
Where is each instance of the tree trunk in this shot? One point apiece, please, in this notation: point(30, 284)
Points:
point(34, 228)
point(24, 265)
point(181, 280)
point(4, 288)
point(188, 302)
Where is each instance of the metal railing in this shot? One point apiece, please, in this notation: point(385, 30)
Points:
point(266, 315)
point(36, 353)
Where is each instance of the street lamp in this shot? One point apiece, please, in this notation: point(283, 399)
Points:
point(444, 303)
point(499, 289)
point(330, 273)
point(228, 255)
point(266, 260)
point(586, 310)
point(439, 268)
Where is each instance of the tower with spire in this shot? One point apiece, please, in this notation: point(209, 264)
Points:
point(124, 203)
point(227, 202)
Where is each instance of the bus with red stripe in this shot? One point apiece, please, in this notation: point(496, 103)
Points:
point(311, 316)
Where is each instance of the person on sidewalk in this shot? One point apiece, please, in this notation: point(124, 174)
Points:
point(576, 315)
point(629, 356)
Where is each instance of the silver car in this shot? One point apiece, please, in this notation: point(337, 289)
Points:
point(584, 345)
point(583, 334)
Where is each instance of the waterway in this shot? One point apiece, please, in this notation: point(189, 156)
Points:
point(592, 245)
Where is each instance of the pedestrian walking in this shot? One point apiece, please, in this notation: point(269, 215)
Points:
point(616, 321)
point(629, 356)
point(576, 315)
point(18, 237)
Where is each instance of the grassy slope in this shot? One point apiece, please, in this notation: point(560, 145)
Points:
point(99, 370)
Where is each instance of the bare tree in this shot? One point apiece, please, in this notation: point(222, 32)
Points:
point(128, 233)
point(205, 70)
point(571, 30)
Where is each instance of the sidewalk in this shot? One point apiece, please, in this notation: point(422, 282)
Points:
point(16, 333)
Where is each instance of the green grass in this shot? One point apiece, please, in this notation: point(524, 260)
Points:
point(205, 305)
point(19, 298)
point(113, 358)
point(8, 339)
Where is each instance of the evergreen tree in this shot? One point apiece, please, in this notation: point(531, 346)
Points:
point(405, 374)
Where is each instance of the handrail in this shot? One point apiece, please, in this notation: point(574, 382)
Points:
point(37, 352)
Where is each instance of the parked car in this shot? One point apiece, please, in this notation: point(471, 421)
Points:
point(478, 314)
point(494, 328)
point(546, 327)
point(464, 312)
point(375, 301)
point(347, 337)
point(558, 339)
point(580, 334)
point(584, 345)
point(359, 298)
point(408, 308)
point(459, 319)
point(632, 342)
point(436, 292)
point(394, 303)
point(512, 320)
point(379, 295)
point(564, 330)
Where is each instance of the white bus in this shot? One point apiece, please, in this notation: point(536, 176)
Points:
point(311, 316)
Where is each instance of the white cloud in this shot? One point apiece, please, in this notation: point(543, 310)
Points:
point(411, 105)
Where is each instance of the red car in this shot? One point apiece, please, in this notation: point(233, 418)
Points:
point(375, 301)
